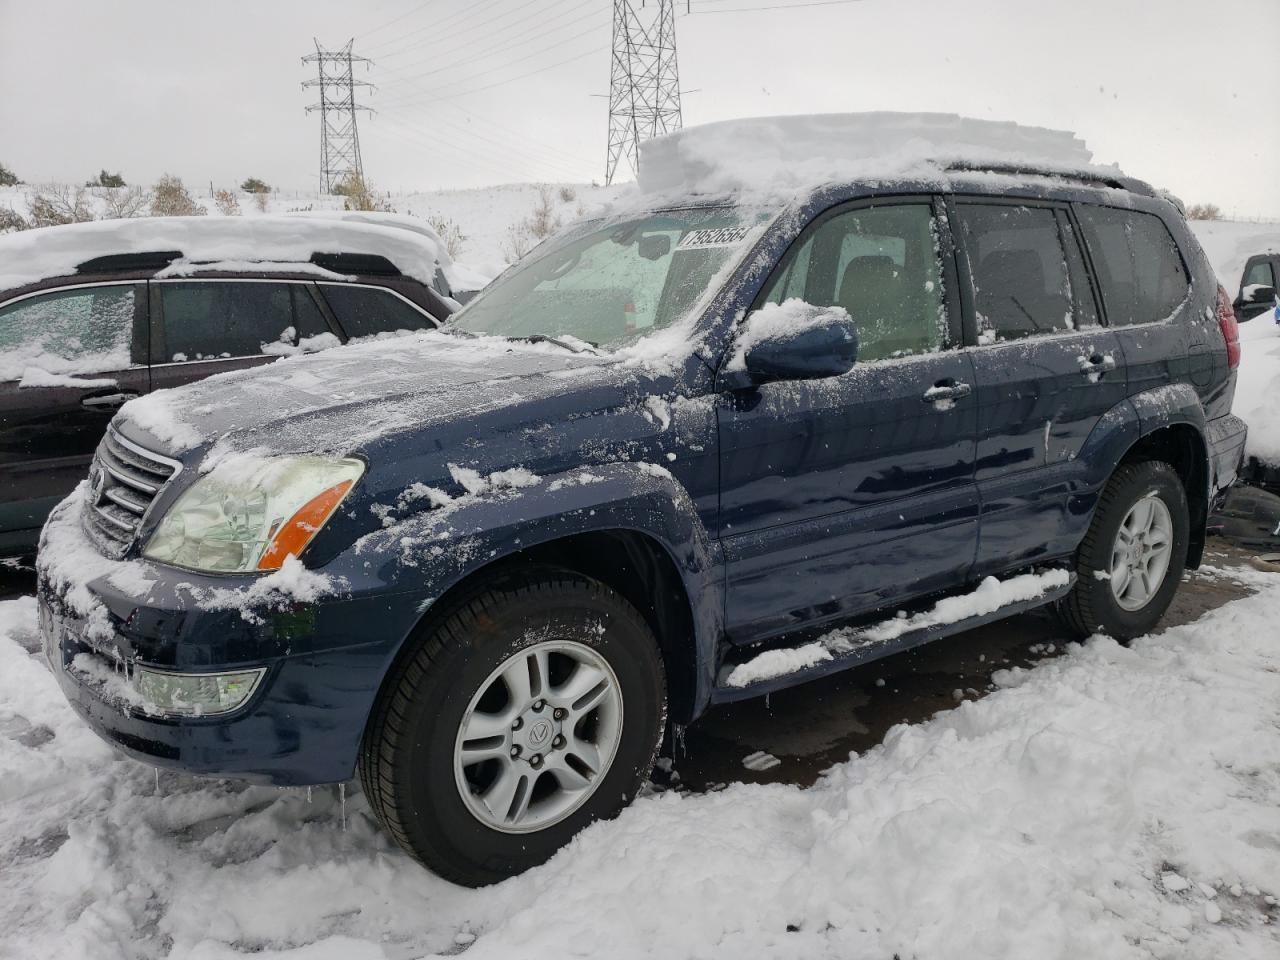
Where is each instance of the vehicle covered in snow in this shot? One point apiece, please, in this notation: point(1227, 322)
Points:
point(710, 445)
point(92, 315)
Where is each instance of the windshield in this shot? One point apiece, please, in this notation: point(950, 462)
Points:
point(611, 284)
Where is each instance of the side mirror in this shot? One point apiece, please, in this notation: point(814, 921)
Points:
point(1255, 299)
point(809, 344)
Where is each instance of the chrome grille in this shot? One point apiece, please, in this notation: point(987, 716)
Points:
point(123, 481)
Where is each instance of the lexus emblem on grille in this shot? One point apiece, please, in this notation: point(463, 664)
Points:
point(97, 480)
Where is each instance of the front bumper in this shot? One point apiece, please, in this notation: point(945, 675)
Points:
point(303, 724)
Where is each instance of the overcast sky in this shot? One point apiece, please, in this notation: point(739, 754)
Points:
point(477, 92)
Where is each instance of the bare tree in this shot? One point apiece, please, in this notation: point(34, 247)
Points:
point(526, 234)
point(450, 234)
point(171, 199)
point(227, 203)
point(122, 203)
point(260, 198)
point(568, 194)
point(1204, 211)
point(58, 203)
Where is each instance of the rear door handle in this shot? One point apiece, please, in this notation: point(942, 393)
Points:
point(1095, 366)
point(946, 390)
point(106, 401)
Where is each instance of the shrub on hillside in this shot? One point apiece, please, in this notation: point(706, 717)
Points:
point(254, 185)
point(227, 203)
point(58, 203)
point(1204, 211)
point(7, 177)
point(105, 179)
point(526, 234)
point(360, 195)
point(171, 199)
point(450, 233)
point(568, 194)
point(11, 221)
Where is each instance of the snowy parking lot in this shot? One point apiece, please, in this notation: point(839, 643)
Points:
point(1112, 802)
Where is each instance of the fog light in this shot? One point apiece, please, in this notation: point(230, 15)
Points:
point(195, 694)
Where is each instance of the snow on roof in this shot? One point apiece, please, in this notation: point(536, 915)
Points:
point(268, 242)
point(460, 276)
point(774, 154)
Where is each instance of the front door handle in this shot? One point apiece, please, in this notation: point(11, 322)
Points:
point(1095, 366)
point(945, 392)
point(107, 401)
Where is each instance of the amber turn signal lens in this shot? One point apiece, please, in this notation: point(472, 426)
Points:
point(296, 532)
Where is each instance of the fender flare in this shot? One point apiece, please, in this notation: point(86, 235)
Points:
point(431, 552)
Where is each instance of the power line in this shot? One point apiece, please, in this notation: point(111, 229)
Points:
point(394, 20)
point(779, 6)
point(466, 15)
point(339, 138)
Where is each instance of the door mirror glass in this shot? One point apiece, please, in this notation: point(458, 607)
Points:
point(1258, 295)
point(795, 340)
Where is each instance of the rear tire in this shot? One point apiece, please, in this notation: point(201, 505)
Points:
point(529, 709)
point(1130, 563)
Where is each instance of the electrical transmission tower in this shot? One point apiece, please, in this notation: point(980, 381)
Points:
point(644, 85)
point(339, 139)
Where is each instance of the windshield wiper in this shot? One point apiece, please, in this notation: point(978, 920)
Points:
point(577, 346)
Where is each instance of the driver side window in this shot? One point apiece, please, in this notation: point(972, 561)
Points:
point(881, 264)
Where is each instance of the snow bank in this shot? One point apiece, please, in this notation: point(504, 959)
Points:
point(1115, 803)
point(1229, 244)
point(1257, 396)
point(285, 241)
point(789, 152)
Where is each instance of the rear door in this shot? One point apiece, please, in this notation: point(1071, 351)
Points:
point(69, 359)
point(1046, 372)
point(205, 326)
point(847, 494)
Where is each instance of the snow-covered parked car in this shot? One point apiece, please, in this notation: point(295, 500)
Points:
point(94, 314)
point(1258, 286)
point(738, 435)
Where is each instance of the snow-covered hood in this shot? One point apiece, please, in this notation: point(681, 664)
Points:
point(360, 397)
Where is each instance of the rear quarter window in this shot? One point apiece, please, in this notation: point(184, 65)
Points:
point(368, 311)
point(1139, 267)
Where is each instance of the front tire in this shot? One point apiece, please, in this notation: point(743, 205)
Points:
point(1130, 563)
point(526, 711)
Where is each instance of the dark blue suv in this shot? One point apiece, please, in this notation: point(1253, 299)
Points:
point(675, 457)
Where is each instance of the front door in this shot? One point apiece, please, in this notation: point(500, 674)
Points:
point(69, 359)
point(851, 493)
point(1046, 373)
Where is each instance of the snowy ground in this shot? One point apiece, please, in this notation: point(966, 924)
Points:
point(1109, 803)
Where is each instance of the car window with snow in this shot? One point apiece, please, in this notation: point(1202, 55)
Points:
point(881, 265)
point(85, 330)
point(205, 319)
point(611, 284)
point(367, 311)
point(1019, 270)
point(1139, 269)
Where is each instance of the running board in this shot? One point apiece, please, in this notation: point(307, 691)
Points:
point(851, 646)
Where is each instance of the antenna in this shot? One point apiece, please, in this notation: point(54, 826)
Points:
point(339, 138)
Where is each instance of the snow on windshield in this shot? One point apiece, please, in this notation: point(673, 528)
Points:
point(612, 283)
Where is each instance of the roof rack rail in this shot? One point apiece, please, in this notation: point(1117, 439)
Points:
point(366, 264)
point(1115, 181)
point(126, 262)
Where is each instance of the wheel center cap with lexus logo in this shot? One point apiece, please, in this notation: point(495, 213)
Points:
point(540, 733)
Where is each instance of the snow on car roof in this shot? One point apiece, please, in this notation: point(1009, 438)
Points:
point(268, 243)
point(783, 154)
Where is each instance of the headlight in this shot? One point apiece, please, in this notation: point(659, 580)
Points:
point(251, 513)
point(195, 694)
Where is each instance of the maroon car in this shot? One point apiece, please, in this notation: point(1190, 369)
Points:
point(92, 315)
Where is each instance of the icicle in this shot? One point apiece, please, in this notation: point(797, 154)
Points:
point(342, 797)
point(766, 702)
point(308, 794)
point(678, 731)
point(156, 771)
